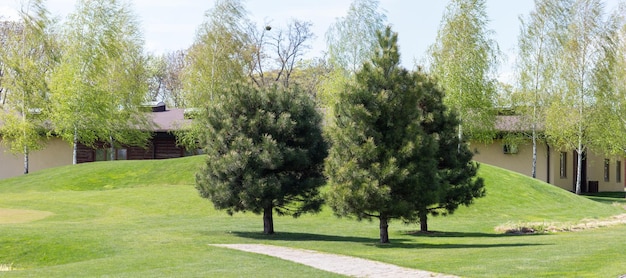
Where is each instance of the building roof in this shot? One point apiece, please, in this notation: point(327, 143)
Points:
point(165, 120)
point(169, 120)
point(514, 123)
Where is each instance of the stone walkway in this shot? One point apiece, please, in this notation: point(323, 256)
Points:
point(345, 265)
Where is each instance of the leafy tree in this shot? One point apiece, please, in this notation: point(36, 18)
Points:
point(611, 93)
point(218, 58)
point(391, 135)
point(464, 59)
point(28, 57)
point(7, 30)
point(100, 83)
point(276, 52)
point(156, 67)
point(569, 117)
point(538, 47)
point(220, 53)
point(265, 152)
point(165, 78)
point(230, 48)
point(175, 64)
point(310, 75)
point(351, 40)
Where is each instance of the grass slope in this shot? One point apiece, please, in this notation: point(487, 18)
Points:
point(144, 218)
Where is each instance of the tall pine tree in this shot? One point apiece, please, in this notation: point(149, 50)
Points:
point(381, 161)
point(395, 153)
point(456, 172)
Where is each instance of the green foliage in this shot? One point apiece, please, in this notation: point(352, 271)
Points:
point(28, 56)
point(394, 150)
point(219, 54)
point(576, 111)
point(381, 160)
point(610, 106)
point(351, 40)
point(464, 59)
point(265, 151)
point(537, 68)
point(100, 84)
point(456, 172)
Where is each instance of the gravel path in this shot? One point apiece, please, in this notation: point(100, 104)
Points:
point(345, 265)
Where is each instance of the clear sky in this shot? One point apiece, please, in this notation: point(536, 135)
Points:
point(171, 24)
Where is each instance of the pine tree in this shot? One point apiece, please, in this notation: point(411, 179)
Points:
point(395, 153)
point(456, 172)
point(265, 152)
point(381, 162)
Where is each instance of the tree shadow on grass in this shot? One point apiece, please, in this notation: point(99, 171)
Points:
point(465, 234)
point(288, 236)
point(395, 243)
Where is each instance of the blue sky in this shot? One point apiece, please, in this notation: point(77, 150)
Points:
point(171, 25)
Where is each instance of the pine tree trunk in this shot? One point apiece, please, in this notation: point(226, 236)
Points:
point(423, 222)
point(268, 221)
point(384, 229)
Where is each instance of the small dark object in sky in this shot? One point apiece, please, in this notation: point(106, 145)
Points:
point(268, 27)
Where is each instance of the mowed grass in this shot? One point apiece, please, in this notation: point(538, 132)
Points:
point(145, 219)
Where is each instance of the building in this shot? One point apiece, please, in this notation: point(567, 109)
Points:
point(57, 152)
point(554, 166)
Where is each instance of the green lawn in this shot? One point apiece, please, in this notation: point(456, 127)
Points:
point(144, 218)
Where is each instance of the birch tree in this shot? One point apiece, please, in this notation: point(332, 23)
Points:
point(219, 54)
point(101, 81)
point(537, 59)
point(609, 115)
point(351, 40)
point(569, 115)
point(28, 57)
point(464, 59)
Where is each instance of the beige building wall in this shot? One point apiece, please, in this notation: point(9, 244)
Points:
point(521, 162)
point(604, 170)
point(56, 153)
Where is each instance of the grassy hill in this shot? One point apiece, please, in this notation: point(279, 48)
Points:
point(144, 218)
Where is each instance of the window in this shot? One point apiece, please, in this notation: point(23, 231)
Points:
point(121, 154)
point(193, 152)
point(563, 164)
point(606, 170)
point(105, 154)
point(101, 155)
point(509, 149)
point(618, 171)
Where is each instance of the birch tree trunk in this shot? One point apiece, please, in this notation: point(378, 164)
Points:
point(26, 162)
point(75, 147)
